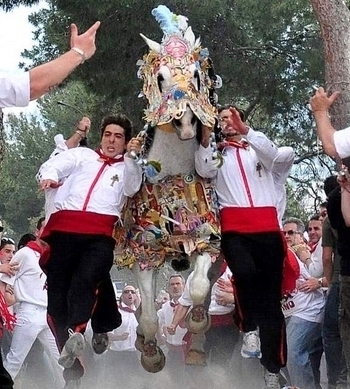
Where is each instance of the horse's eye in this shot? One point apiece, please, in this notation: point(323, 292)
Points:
point(160, 79)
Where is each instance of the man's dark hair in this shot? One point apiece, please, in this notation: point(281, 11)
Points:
point(329, 184)
point(120, 120)
point(316, 216)
point(24, 240)
point(40, 222)
point(4, 241)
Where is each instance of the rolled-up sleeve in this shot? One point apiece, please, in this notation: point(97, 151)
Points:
point(342, 142)
point(14, 90)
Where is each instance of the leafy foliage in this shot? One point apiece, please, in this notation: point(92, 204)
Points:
point(8, 5)
point(268, 53)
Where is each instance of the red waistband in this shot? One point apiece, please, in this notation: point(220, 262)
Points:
point(80, 222)
point(222, 320)
point(249, 220)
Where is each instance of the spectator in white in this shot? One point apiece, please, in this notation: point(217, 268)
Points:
point(302, 305)
point(311, 254)
point(174, 343)
point(162, 298)
point(17, 90)
point(222, 335)
point(31, 309)
point(7, 251)
point(122, 358)
point(79, 233)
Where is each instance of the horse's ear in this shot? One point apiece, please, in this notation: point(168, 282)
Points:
point(190, 38)
point(151, 44)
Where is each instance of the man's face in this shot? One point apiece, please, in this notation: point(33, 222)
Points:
point(113, 141)
point(323, 213)
point(314, 230)
point(39, 232)
point(293, 237)
point(225, 124)
point(7, 252)
point(129, 295)
point(175, 287)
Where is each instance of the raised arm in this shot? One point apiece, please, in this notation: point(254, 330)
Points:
point(320, 104)
point(52, 73)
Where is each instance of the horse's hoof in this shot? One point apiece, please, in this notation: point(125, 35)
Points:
point(152, 357)
point(180, 265)
point(139, 342)
point(198, 320)
point(196, 358)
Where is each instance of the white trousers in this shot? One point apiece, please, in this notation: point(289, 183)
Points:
point(31, 324)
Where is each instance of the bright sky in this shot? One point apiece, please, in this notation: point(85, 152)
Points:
point(16, 35)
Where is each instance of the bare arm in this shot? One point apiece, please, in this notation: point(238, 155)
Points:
point(320, 104)
point(52, 73)
point(179, 315)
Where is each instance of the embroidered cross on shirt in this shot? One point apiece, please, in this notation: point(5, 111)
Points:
point(259, 168)
point(114, 179)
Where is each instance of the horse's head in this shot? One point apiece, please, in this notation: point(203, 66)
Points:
point(179, 80)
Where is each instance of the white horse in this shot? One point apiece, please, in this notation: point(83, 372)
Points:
point(173, 216)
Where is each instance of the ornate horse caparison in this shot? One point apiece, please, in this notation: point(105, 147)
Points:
point(173, 216)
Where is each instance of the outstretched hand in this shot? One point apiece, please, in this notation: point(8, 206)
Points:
point(84, 41)
point(320, 101)
point(237, 123)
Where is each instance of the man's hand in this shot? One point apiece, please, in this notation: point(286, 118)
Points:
point(206, 133)
point(237, 123)
point(320, 101)
point(171, 328)
point(46, 184)
point(84, 125)
point(85, 41)
point(134, 145)
point(8, 268)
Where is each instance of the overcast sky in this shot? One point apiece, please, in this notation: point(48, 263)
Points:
point(16, 35)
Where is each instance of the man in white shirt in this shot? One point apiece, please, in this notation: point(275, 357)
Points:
point(174, 343)
point(29, 283)
point(251, 240)
point(79, 232)
point(122, 358)
point(302, 305)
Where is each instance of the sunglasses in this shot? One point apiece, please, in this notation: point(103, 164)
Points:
point(7, 240)
point(289, 232)
point(1, 228)
point(129, 291)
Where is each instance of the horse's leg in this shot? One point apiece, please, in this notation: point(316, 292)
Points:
point(152, 357)
point(198, 319)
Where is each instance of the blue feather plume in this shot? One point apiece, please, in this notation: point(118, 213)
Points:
point(166, 19)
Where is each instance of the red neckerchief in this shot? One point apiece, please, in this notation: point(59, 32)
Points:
point(34, 246)
point(126, 309)
point(238, 145)
point(108, 160)
point(312, 246)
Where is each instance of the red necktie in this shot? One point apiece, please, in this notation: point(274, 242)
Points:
point(238, 145)
point(108, 160)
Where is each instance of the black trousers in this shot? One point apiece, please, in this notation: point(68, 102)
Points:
point(256, 262)
point(5, 378)
point(80, 288)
